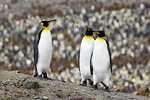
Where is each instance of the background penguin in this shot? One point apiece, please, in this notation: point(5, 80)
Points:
point(101, 59)
point(42, 49)
point(86, 50)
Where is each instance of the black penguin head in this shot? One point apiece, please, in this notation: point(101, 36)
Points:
point(100, 33)
point(46, 23)
point(89, 31)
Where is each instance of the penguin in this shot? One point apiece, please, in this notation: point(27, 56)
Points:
point(85, 54)
point(43, 49)
point(101, 59)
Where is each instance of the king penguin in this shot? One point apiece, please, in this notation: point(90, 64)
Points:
point(86, 49)
point(43, 49)
point(101, 59)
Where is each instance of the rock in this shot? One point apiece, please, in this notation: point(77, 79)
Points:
point(61, 95)
point(144, 91)
point(18, 94)
point(45, 98)
point(5, 82)
point(76, 98)
point(30, 85)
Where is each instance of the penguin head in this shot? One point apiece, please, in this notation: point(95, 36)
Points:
point(89, 31)
point(100, 33)
point(46, 23)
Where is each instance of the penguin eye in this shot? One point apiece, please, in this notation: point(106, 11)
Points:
point(42, 23)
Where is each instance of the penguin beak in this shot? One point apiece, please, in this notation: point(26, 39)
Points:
point(96, 32)
point(51, 21)
point(89, 29)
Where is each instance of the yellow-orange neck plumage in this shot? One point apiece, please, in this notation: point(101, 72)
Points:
point(88, 37)
point(99, 38)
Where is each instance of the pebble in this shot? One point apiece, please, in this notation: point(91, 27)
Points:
point(61, 95)
point(30, 85)
point(45, 98)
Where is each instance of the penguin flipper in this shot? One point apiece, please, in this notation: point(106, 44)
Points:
point(78, 60)
point(109, 55)
point(36, 42)
point(91, 65)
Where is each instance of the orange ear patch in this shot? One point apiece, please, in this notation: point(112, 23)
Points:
point(42, 23)
point(105, 33)
point(97, 32)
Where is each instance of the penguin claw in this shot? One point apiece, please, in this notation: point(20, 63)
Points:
point(83, 83)
point(95, 87)
point(35, 75)
point(107, 89)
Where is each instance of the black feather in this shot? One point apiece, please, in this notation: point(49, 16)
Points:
point(79, 60)
point(91, 65)
point(109, 55)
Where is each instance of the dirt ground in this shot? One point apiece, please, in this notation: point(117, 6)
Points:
point(14, 85)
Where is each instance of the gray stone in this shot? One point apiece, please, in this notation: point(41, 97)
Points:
point(30, 85)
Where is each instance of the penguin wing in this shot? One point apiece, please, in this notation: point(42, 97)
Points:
point(109, 55)
point(78, 60)
point(91, 64)
point(36, 42)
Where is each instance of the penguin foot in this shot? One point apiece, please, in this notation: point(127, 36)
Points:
point(91, 82)
point(35, 74)
point(45, 75)
point(95, 87)
point(107, 89)
point(40, 77)
point(83, 83)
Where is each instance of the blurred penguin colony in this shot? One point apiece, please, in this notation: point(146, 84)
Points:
point(128, 31)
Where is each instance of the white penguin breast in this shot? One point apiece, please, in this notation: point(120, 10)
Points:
point(45, 49)
point(86, 50)
point(100, 58)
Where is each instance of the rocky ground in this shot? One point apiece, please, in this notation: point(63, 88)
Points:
point(127, 23)
point(17, 86)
